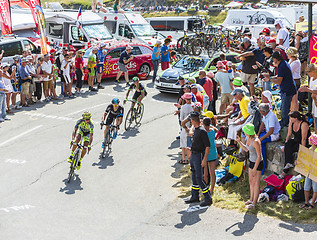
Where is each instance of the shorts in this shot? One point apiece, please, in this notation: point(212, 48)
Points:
point(165, 65)
point(310, 184)
point(32, 87)
point(211, 160)
point(189, 141)
point(86, 135)
point(99, 68)
point(260, 167)
point(62, 78)
point(249, 78)
point(122, 67)
point(226, 98)
point(25, 88)
point(91, 72)
point(297, 83)
point(15, 87)
point(183, 139)
point(47, 85)
point(67, 79)
point(111, 118)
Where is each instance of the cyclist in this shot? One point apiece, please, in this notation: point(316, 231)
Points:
point(140, 91)
point(114, 111)
point(85, 128)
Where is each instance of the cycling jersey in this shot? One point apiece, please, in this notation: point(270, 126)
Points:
point(138, 91)
point(110, 110)
point(85, 127)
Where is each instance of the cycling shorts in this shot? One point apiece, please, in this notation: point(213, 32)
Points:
point(91, 71)
point(85, 135)
point(136, 95)
point(111, 118)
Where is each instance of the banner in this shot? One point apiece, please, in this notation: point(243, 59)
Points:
point(38, 16)
point(313, 50)
point(5, 17)
point(307, 163)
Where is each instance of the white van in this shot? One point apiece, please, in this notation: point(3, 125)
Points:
point(176, 26)
point(131, 25)
point(61, 28)
point(250, 17)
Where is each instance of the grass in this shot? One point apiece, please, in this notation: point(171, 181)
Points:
point(232, 196)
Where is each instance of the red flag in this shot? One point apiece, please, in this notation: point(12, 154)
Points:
point(5, 17)
point(32, 4)
point(77, 22)
point(313, 50)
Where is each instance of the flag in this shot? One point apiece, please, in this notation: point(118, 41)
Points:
point(79, 14)
point(313, 50)
point(5, 17)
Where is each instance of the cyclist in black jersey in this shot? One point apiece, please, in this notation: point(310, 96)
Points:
point(113, 111)
point(140, 91)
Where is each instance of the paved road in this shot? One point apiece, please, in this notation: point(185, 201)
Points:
point(132, 194)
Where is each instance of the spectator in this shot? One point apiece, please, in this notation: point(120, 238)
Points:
point(156, 57)
point(124, 59)
point(14, 71)
point(58, 63)
point(185, 110)
point(66, 65)
point(201, 90)
point(303, 49)
point(198, 95)
point(199, 152)
point(39, 79)
point(299, 128)
point(223, 79)
point(237, 83)
point(266, 32)
point(266, 97)
point(25, 83)
point(79, 65)
point(165, 54)
point(52, 55)
point(3, 91)
point(253, 146)
point(267, 66)
point(101, 7)
point(272, 43)
point(234, 71)
point(100, 61)
point(282, 35)
point(206, 82)
point(272, 128)
point(296, 69)
point(47, 68)
point(285, 79)
point(31, 69)
point(6, 80)
point(222, 57)
point(308, 182)
point(252, 39)
point(117, 7)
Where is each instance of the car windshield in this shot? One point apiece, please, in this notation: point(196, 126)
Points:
point(97, 31)
point(192, 63)
point(88, 51)
point(143, 30)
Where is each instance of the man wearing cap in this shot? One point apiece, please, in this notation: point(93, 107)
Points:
point(223, 78)
point(266, 32)
point(275, 47)
point(156, 57)
point(91, 68)
point(53, 55)
point(100, 61)
point(282, 35)
point(207, 84)
point(14, 71)
point(47, 68)
point(25, 82)
point(31, 69)
point(165, 54)
point(272, 127)
point(199, 152)
point(124, 59)
point(58, 63)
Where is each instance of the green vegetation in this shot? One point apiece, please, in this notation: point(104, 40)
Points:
point(232, 196)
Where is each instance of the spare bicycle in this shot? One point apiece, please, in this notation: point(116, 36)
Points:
point(135, 113)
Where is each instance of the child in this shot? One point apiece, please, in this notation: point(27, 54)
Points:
point(308, 182)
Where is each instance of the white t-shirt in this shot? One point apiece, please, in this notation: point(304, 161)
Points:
point(295, 67)
point(313, 85)
point(270, 120)
point(65, 70)
point(186, 109)
point(284, 35)
point(47, 67)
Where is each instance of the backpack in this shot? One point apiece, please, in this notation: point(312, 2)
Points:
point(257, 121)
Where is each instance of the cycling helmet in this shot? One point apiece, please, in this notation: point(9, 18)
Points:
point(135, 79)
point(115, 101)
point(86, 115)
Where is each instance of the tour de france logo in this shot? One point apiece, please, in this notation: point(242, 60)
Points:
point(107, 67)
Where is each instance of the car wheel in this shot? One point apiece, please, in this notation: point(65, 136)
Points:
point(145, 68)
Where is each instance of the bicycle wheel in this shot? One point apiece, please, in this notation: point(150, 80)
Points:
point(73, 166)
point(197, 46)
point(139, 114)
point(211, 48)
point(185, 46)
point(178, 45)
point(225, 44)
point(262, 19)
point(128, 120)
point(105, 144)
point(110, 139)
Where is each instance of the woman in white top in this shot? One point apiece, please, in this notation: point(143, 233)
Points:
point(6, 79)
point(295, 64)
point(66, 66)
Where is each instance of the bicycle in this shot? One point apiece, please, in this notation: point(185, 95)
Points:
point(110, 135)
point(75, 160)
point(135, 113)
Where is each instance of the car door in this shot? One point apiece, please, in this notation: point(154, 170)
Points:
point(111, 67)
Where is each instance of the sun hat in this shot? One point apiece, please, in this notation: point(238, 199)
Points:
point(187, 96)
point(237, 90)
point(249, 129)
point(237, 82)
point(210, 74)
point(24, 60)
point(220, 64)
point(313, 139)
point(209, 114)
point(265, 30)
point(4, 64)
point(268, 95)
point(292, 52)
point(52, 51)
point(278, 21)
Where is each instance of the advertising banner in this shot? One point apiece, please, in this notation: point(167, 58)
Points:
point(313, 50)
point(5, 17)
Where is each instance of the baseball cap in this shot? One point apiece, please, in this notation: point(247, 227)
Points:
point(158, 42)
point(4, 64)
point(229, 63)
point(197, 104)
point(16, 57)
point(194, 85)
point(128, 47)
point(29, 58)
point(268, 95)
point(210, 74)
point(237, 90)
point(272, 40)
point(191, 80)
point(94, 49)
point(24, 60)
point(265, 30)
point(249, 129)
point(52, 51)
point(237, 82)
point(209, 114)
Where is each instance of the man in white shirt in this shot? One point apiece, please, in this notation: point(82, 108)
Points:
point(272, 129)
point(283, 35)
point(47, 68)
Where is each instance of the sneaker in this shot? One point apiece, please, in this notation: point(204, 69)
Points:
point(288, 165)
point(93, 89)
point(178, 137)
point(6, 118)
point(206, 202)
point(1, 120)
point(82, 91)
point(100, 87)
point(78, 165)
point(70, 159)
point(71, 96)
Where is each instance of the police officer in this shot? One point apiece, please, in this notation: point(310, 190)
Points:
point(199, 153)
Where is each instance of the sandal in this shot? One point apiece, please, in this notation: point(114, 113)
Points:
point(183, 161)
point(250, 206)
point(304, 205)
point(248, 202)
point(309, 206)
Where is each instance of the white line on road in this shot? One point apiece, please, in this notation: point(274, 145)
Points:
point(16, 161)
point(154, 100)
point(82, 110)
point(48, 116)
point(20, 135)
point(17, 208)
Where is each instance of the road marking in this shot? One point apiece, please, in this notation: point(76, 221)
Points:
point(48, 116)
point(154, 100)
point(17, 208)
point(112, 94)
point(84, 109)
point(194, 208)
point(20, 135)
point(16, 161)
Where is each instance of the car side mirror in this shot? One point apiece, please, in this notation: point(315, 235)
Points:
point(108, 57)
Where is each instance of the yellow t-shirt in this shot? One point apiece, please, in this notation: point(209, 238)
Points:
point(244, 106)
